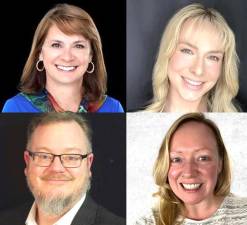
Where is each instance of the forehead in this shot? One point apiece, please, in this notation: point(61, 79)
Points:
point(54, 33)
point(59, 136)
point(192, 136)
point(202, 34)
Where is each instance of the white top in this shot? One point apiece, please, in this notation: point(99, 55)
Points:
point(233, 211)
point(66, 219)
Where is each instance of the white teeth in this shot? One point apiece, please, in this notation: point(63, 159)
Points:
point(66, 68)
point(191, 186)
point(192, 82)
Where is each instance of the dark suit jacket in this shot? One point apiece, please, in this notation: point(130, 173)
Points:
point(90, 213)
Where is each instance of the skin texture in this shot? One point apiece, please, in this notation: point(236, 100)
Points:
point(55, 181)
point(60, 49)
point(194, 67)
point(195, 160)
point(66, 59)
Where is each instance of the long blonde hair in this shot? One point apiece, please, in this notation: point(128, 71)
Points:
point(220, 97)
point(170, 207)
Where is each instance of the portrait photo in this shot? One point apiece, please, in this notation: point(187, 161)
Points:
point(148, 133)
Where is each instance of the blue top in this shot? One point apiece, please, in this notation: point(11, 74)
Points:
point(19, 103)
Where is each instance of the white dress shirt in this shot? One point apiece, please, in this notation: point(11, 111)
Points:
point(66, 219)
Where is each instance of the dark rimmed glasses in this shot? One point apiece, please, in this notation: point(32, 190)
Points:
point(44, 159)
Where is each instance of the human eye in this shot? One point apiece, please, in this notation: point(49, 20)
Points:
point(71, 158)
point(43, 156)
point(80, 46)
point(56, 45)
point(203, 158)
point(186, 51)
point(214, 58)
point(175, 160)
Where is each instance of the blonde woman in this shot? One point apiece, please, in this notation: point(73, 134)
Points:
point(193, 176)
point(197, 65)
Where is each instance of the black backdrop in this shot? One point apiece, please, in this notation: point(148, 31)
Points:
point(108, 185)
point(146, 20)
point(18, 25)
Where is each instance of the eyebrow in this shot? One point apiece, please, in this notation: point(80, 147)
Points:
point(70, 149)
point(75, 42)
point(197, 150)
point(195, 47)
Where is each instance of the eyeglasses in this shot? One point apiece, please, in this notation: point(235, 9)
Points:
point(44, 159)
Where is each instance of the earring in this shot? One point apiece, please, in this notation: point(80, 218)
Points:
point(37, 66)
point(91, 71)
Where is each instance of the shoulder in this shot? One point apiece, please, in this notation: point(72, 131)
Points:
point(111, 105)
point(16, 216)
point(232, 211)
point(105, 217)
point(18, 103)
point(94, 214)
point(235, 203)
point(148, 219)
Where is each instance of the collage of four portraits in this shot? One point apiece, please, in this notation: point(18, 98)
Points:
point(133, 112)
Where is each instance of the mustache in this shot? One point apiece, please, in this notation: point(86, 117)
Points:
point(57, 176)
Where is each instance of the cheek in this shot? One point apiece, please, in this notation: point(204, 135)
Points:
point(178, 62)
point(214, 71)
point(49, 55)
point(83, 56)
point(34, 172)
point(173, 174)
point(211, 172)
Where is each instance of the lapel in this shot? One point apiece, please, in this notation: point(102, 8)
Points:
point(87, 213)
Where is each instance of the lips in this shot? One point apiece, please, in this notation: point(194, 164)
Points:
point(66, 68)
point(56, 177)
point(192, 84)
point(191, 187)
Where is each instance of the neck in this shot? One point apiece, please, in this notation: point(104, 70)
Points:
point(204, 209)
point(44, 219)
point(68, 98)
point(180, 105)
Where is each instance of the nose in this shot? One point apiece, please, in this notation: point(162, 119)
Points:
point(57, 165)
point(189, 169)
point(197, 66)
point(67, 54)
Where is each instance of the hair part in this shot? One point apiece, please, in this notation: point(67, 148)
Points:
point(70, 20)
point(63, 117)
point(221, 97)
point(170, 206)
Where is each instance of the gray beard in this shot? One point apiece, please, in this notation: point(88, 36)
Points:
point(59, 204)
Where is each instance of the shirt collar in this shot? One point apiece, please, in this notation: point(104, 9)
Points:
point(66, 219)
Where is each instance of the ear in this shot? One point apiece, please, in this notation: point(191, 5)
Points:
point(220, 166)
point(91, 57)
point(41, 58)
point(26, 159)
point(90, 160)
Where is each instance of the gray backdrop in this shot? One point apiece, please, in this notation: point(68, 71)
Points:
point(146, 20)
point(145, 132)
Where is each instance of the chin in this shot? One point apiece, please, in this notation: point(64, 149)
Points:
point(191, 200)
point(191, 97)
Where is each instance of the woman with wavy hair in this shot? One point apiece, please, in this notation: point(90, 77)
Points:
point(65, 70)
point(197, 65)
point(192, 172)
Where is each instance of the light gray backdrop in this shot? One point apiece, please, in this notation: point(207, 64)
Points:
point(145, 132)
